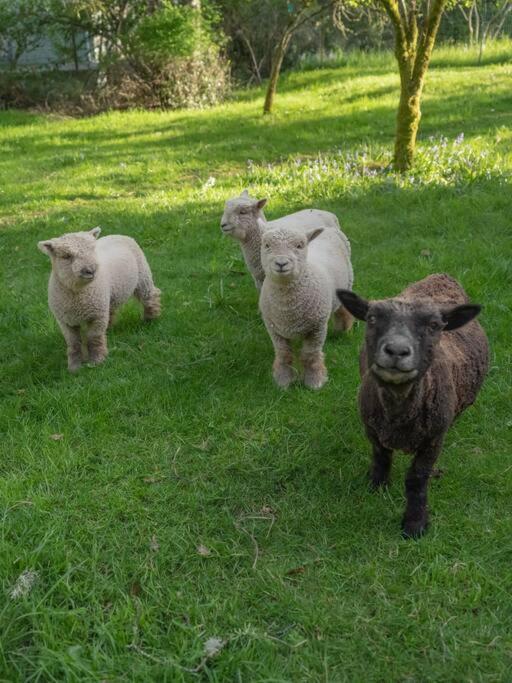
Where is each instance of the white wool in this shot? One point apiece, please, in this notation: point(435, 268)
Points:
point(243, 220)
point(90, 279)
point(296, 302)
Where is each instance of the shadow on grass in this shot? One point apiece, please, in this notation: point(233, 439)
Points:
point(194, 299)
point(226, 139)
point(17, 118)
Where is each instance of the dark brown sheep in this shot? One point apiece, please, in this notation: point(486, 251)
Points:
point(423, 363)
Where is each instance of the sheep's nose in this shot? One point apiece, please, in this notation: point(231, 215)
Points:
point(281, 264)
point(88, 271)
point(397, 349)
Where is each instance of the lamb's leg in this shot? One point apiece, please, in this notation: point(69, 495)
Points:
point(415, 519)
point(74, 346)
point(381, 466)
point(97, 341)
point(111, 317)
point(282, 369)
point(152, 305)
point(315, 372)
point(146, 292)
point(342, 320)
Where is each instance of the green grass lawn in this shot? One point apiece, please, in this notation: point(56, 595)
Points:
point(174, 494)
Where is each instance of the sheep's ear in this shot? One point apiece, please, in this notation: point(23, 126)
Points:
point(46, 247)
point(244, 194)
point(353, 303)
point(260, 203)
point(95, 232)
point(459, 315)
point(313, 234)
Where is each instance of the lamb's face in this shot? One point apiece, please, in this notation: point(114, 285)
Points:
point(401, 337)
point(283, 253)
point(73, 257)
point(240, 217)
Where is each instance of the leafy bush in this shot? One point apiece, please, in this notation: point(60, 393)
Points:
point(173, 31)
point(176, 56)
point(163, 55)
point(26, 88)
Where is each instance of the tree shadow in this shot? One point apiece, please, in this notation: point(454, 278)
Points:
point(17, 117)
point(450, 231)
point(232, 139)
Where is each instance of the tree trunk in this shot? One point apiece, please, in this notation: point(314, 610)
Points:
point(275, 69)
point(75, 51)
point(407, 123)
point(414, 42)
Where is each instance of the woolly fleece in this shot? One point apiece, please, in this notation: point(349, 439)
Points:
point(90, 279)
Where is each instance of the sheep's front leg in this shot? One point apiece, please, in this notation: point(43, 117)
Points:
point(282, 369)
point(74, 346)
point(315, 372)
point(415, 519)
point(381, 466)
point(97, 341)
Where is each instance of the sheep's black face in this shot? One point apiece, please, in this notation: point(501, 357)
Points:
point(401, 337)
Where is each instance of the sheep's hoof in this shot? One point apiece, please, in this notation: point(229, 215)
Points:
point(414, 528)
point(315, 380)
point(283, 376)
point(74, 366)
point(378, 484)
point(96, 360)
point(152, 306)
point(94, 363)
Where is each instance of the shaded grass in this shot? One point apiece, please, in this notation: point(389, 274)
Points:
point(181, 440)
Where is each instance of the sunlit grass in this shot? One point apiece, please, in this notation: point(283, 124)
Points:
point(174, 495)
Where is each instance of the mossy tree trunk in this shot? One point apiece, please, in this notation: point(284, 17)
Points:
point(415, 35)
point(275, 70)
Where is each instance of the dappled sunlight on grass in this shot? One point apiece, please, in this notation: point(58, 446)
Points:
point(439, 162)
point(174, 495)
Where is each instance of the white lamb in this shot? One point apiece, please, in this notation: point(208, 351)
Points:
point(244, 221)
point(299, 295)
point(90, 279)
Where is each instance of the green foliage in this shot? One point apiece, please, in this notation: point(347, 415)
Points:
point(172, 31)
point(22, 24)
point(181, 440)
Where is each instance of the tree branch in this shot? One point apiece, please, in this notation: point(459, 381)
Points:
point(402, 47)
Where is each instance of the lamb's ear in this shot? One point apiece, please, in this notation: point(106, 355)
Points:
point(95, 232)
point(353, 303)
point(244, 194)
point(261, 203)
point(312, 234)
point(459, 315)
point(46, 247)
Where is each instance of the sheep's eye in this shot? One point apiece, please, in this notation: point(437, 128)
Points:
point(433, 326)
point(267, 245)
point(300, 245)
point(67, 257)
point(371, 319)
